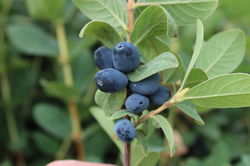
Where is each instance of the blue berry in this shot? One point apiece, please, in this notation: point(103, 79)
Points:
point(110, 80)
point(136, 103)
point(126, 57)
point(147, 86)
point(160, 96)
point(125, 130)
point(104, 57)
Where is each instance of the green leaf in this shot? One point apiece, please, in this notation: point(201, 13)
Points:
point(110, 11)
point(102, 31)
point(184, 11)
point(167, 130)
point(162, 62)
point(226, 91)
point(142, 141)
point(46, 9)
point(196, 76)
point(189, 109)
point(152, 47)
point(152, 22)
point(151, 159)
point(53, 120)
point(40, 139)
point(197, 48)
point(32, 40)
point(60, 90)
point(106, 124)
point(177, 74)
point(220, 156)
point(222, 53)
point(110, 102)
point(121, 114)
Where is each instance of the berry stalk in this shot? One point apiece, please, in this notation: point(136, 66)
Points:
point(131, 14)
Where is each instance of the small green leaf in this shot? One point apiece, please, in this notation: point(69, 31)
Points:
point(196, 76)
point(60, 90)
point(122, 113)
point(110, 102)
point(46, 9)
point(110, 11)
point(197, 48)
point(106, 124)
point(53, 120)
point(151, 159)
point(152, 47)
point(177, 74)
point(167, 130)
point(222, 53)
point(142, 141)
point(189, 109)
point(40, 139)
point(152, 22)
point(184, 11)
point(162, 62)
point(102, 31)
point(226, 91)
point(32, 40)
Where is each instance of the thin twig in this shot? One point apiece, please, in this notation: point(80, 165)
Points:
point(68, 79)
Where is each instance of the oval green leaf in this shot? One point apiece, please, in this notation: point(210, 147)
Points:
point(197, 48)
point(152, 22)
point(110, 102)
point(189, 109)
point(102, 31)
point(196, 77)
point(53, 120)
point(226, 91)
point(162, 62)
point(184, 11)
point(222, 53)
point(167, 130)
point(110, 11)
point(33, 40)
point(121, 114)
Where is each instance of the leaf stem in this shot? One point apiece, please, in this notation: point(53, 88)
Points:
point(68, 79)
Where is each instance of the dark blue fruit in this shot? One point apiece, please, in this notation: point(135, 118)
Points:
point(147, 86)
point(125, 130)
point(160, 96)
point(104, 58)
point(110, 80)
point(136, 103)
point(126, 57)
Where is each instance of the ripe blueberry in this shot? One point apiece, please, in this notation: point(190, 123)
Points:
point(126, 57)
point(147, 86)
point(125, 130)
point(136, 103)
point(104, 58)
point(160, 96)
point(110, 80)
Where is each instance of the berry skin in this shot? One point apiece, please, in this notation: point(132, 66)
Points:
point(147, 86)
point(125, 130)
point(110, 80)
point(126, 57)
point(160, 96)
point(136, 103)
point(104, 57)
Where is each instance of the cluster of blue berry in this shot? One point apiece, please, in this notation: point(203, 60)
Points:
point(114, 65)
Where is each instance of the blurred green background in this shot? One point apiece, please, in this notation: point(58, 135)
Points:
point(35, 123)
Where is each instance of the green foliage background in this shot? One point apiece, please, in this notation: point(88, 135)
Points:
point(31, 70)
